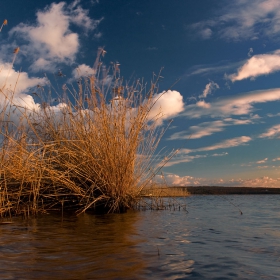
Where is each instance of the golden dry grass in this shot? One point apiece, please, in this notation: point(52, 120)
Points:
point(96, 152)
point(164, 191)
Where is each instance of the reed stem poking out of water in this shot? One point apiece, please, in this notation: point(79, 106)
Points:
point(93, 151)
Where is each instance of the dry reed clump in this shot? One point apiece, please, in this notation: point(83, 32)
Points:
point(95, 151)
point(164, 191)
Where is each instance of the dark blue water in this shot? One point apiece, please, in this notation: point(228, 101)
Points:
point(210, 241)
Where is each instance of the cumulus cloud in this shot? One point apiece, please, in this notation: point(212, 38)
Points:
point(14, 88)
point(83, 70)
point(168, 104)
point(50, 41)
point(15, 85)
point(209, 88)
point(207, 128)
point(232, 106)
point(256, 182)
point(240, 19)
point(203, 104)
point(258, 65)
point(273, 132)
point(176, 180)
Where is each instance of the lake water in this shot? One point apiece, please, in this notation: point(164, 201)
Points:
point(210, 241)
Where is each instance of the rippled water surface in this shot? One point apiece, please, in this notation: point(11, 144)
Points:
point(210, 241)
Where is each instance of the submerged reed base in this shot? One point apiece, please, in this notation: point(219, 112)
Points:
point(95, 150)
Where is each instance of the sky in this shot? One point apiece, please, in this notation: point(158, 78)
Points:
point(220, 64)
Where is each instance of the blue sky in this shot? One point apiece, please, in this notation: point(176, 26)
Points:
point(225, 56)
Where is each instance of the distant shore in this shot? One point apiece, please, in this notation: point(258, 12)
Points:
point(218, 190)
point(206, 190)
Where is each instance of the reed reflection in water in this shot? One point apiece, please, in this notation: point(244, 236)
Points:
point(84, 247)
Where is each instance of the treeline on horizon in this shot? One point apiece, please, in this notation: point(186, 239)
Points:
point(208, 190)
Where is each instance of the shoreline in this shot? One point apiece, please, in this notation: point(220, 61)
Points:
point(207, 190)
point(218, 190)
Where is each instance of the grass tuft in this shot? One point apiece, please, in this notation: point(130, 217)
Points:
point(95, 151)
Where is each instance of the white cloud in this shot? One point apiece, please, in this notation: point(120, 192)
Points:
point(183, 154)
point(257, 182)
point(203, 104)
point(229, 143)
point(167, 105)
point(183, 159)
point(255, 117)
point(276, 159)
point(42, 63)
point(203, 29)
point(220, 155)
point(265, 167)
point(250, 52)
point(207, 128)
point(206, 69)
point(50, 41)
point(209, 88)
point(242, 19)
point(273, 115)
point(176, 180)
point(262, 161)
point(258, 65)
point(15, 97)
point(230, 106)
point(83, 70)
point(15, 102)
point(16, 83)
point(273, 132)
point(79, 16)
point(206, 33)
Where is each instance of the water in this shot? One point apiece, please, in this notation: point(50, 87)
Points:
point(211, 241)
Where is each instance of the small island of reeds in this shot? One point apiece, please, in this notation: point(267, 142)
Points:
point(94, 151)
